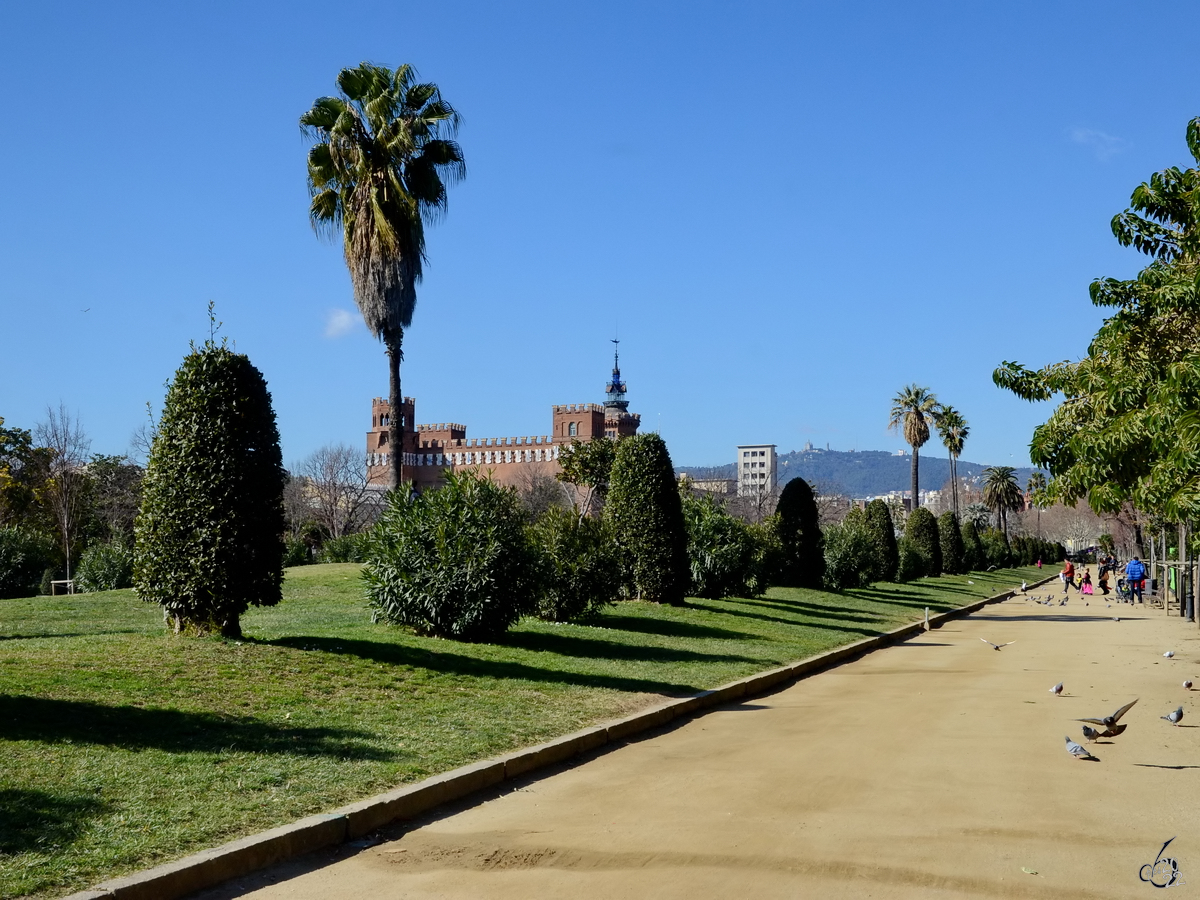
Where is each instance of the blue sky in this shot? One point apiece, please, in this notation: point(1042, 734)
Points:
point(789, 210)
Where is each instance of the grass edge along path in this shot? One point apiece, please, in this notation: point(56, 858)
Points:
point(126, 746)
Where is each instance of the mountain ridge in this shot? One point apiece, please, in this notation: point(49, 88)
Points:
point(860, 473)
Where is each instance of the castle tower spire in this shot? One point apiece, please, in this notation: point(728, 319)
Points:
point(614, 392)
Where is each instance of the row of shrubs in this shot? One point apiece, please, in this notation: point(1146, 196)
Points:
point(28, 564)
point(864, 548)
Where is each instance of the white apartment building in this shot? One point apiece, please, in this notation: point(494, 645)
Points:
point(757, 469)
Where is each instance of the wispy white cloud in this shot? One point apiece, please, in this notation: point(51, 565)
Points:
point(1104, 145)
point(339, 322)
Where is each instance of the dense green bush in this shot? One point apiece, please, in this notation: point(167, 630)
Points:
point(24, 556)
point(456, 562)
point(720, 549)
point(799, 530)
point(345, 549)
point(767, 562)
point(645, 517)
point(950, 535)
point(883, 537)
point(209, 532)
point(921, 532)
point(578, 571)
point(296, 552)
point(996, 552)
point(974, 558)
point(911, 562)
point(105, 567)
point(849, 554)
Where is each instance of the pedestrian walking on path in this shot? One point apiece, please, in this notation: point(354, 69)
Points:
point(1135, 577)
point(1068, 576)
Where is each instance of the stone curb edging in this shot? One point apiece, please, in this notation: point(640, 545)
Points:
point(258, 851)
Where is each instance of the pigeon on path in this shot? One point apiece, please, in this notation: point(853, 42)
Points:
point(1187, 685)
point(1057, 690)
point(1174, 717)
point(1091, 733)
point(1170, 654)
point(1112, 732)
point(1110, 722)
point(996, 646)
point(1078, 751)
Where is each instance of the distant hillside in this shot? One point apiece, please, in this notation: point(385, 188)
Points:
point(859, 473)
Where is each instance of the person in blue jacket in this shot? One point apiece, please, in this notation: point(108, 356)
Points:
point(1135, 577)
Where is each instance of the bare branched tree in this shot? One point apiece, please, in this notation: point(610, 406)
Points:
point(335, 487)
point(539, 491)
point(67, 487)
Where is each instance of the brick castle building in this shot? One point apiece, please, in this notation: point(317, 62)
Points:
point(431, 450)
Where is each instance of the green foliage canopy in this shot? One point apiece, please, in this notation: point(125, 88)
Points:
point(645, 517)
point(883, 538)
point(950, 536)
point(209, 534)
point(799, 529)
point(1128, 429)
point(921, 533)
point(455, 562)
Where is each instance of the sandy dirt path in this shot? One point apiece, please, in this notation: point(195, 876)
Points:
point(935, 768)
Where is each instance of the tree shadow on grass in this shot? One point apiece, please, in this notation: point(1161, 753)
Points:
point(465, 664)
point(801, 609)
point(24, 718)
point(44, 822)
point(597, 648)
point(668, 628)
point(795, 623)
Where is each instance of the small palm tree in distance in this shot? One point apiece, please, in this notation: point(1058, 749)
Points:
point(1001, 493)
point(912, 410)
point(377, 174)
point(1035, 487)
point(953, 429)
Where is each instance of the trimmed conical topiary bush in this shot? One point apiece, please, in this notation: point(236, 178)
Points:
point(645, 517)
point(209, 534)
point(799, 528)
point(921, 533)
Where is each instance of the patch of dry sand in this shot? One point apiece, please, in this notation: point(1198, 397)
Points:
point(935, 768)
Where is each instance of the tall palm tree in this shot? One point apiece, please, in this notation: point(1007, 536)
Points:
point(377, 174)
point(1001, 493)
point(1035, 486)
point(912, 409)
point(953, 429)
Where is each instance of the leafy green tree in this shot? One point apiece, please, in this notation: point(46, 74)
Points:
point(454, 563)
point(799, 529)
point(883, 538)
point(921, 533)
point(954, 431)
point(1001, 493)
point(578, 565)
point(116, 495)
point(209, 535)
point(950, 536)
point(378, 173)
point(973, 555)
point(996, 551)
point(1126, 431)
point(719, 547)
point(588, 465)
point(912, 410)
point(24, 471)
point(645, 517)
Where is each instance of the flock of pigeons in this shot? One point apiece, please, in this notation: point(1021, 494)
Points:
point(1109, 725)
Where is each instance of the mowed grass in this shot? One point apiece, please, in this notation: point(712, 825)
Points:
point(124, 745)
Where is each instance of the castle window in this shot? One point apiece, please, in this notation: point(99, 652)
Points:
point(571, 430)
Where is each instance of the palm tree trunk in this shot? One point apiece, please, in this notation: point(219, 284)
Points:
point(915, 463)
point(393, 342)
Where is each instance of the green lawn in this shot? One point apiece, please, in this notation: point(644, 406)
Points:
point(124, 745)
